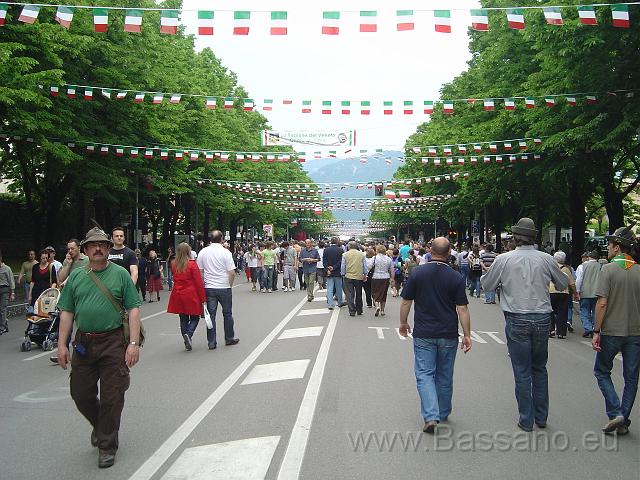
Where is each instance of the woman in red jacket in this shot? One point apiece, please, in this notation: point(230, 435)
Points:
point(187, 295)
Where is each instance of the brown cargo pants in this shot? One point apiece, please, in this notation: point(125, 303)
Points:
point(103, 361)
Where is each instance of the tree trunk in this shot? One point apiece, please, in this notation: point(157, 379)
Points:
point(498, 228)
point(206, 229)
point(613, 204)
point(233, 227)
point(578, 220)
point(558, 234)
point(481, 226)
point(188, 208)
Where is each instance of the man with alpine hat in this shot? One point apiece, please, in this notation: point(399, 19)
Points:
point(617, 328)
point(524, 275)
point(100, 351)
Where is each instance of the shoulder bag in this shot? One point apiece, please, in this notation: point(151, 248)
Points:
point(119, 308)
point(370, 272)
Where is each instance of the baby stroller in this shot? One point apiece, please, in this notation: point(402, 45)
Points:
point(42, 318)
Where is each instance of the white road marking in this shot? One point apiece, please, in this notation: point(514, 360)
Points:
point(320, 299)
point(274, 372)
point(42, 396)
point(322, 291)
point(238, 460)
point(477, 338)
point(493, 336)
point(51, 352)
point(379, 331)
point(400, 336)
point(292, 461)
point(315, 311)
point(301, 332)
point(171, 444)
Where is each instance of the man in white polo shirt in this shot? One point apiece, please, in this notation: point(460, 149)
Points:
point(219, 272)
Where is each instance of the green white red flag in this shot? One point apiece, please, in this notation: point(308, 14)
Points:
point(571, 101)
point(157, 98)
point(228, 103)
point(205, 22)
point(71, 92)
point(29, 14)
point(368, 21)
point(211, 103)
point(489, 104)
point(408, 107)
point(100, 19)
point(365, 107)
point(267, 104)
point(591, 99)
point(515, 18)
point(330, 23)
point(405, 20)
point(139, 97)
point(3, 13)
point(387, 107)
point(241, 21)
point(587, 15)
point(620, 16)
point(447, 106)
point(553, 16)
point(175, 98)
point(346, 107)
point(550, 101)
point(247, 104)
point(54, 91)
point(326, 107)
point(64, 16)
point(428, 107)
point(306, 106)
point(133, 21)
point(88, 93)
point(509, 104)
point(133, 153)
point(442, 20)
point(480, 20)
point(530, 102)
point(278, 23)
point(169, 21)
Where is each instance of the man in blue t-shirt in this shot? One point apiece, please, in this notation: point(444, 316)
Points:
point(405, 249)
point(440, 303)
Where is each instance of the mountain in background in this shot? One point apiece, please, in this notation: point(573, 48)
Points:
point(350, 170)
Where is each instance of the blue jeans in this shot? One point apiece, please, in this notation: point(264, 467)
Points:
point(222, 295)
point(268, 276)
point(474, 285)
point(587, 309)
point(434, 359)
point(490, 297)
point(630, 348)
point(334, 283)
point(570, 313)
point(188, 324)
point(527, 341)
point(464, 271)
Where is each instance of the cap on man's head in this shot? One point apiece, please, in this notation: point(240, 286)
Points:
point(50, 249)
point(525, 227)
point(96, 235)
point(623, 236)
point(594, 254)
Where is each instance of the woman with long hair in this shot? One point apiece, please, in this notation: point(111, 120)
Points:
point(382, 274)
point(43, 276)
point(187, 295)
point(154, 275)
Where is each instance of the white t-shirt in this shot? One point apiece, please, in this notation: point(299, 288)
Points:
point(216, 262)
point(252, 261)
point(320, 252)
point(194, 255)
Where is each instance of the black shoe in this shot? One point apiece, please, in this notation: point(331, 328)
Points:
point(359, 313)
point(187, 342)
point(570, 328)
point(352, 314)
point(522, 427)
point(94, 438)
point(213, 348)
point(586, 334)
point(430, 426)
point(53, 359)
point(233, 341)
point(541, 425)
point(106, 459)
point(343, 304)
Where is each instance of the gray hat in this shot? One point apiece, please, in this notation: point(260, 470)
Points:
point(624, 236)
point(594, 254)
point(50, 249)
point(96, 235)
point(525, 227)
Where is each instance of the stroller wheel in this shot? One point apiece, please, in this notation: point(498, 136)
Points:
point(47, 345)
point(22, 347)
point(25, 346)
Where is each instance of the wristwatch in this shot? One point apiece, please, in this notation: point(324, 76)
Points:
point(133, 343)
point(596, 331)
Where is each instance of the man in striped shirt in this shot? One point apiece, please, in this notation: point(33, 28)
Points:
point(486, 259)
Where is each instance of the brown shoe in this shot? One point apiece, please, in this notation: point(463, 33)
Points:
point(106, 458)
point(613, 424)
point(430, 426)
point(623, 430)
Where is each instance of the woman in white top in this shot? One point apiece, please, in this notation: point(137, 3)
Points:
point(320, 273)
point(251, 259)
point(382, 273)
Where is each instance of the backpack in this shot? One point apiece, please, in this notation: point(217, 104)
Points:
point(475, 264)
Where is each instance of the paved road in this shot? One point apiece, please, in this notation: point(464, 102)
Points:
point(313, 394)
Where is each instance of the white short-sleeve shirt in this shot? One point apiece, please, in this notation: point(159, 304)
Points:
point(216, 262)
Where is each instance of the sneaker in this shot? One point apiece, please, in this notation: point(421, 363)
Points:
point(623, 430)
point(106, 458)
point(233, 341)
point(613, 424)
point(187, 342)
point(570, 328)
point(268, 290)
point(53, 359)
point(430, 426)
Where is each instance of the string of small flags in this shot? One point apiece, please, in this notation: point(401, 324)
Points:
point(477, 147)
point(473, 160)
point(336, 107)
point(318, 208)
point(210, 21)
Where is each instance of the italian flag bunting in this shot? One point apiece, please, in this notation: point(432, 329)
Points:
point(148, 153)
point(480, 20)
point(54, 91)
point(447, 150)
point(100, 20)
point(133, 21)
point(620, 16)
point(442, 20)
point(228, 103)
point(287, 102)
point(462, 149)
point(447, 106)
point(553, 16)
point(388, 108)
point(104, 150)
point(88, 93)
point(29, 14)
point(138, 98)
point(64, 16)
point(247, 104)
point(550, 101)
point(405, 20)
point(587, 15)
point(208, 156)
point(477, 148)
point(211, 103)
point(133, 153)
point(522, 144)
point(509, 104)
point(365, 108)
point(205, 22)
point(121, 95)
point(330, 23)
point(530, 102)
point(175, 98)
point(571, 101)
point(164, 154)
point(493, 147)
point(119, 151)
point(91, 148)
point(278, 23)
point(241, 22)
point(368, 21)
point(404, 193)
point(346, 107)
point(515, 18)
point(326, 107)
point(306, 106)
point(169, 21)
point(194, 155)
point(432, 151)
point(474, 160)
point(489, 104)
point(389, 194)
point(106, 93)
point(428, 107)
point(267, 104)
point(157, 98)
point(71, 92)
point(507, 146)
point(537, 141)
point(3, 13)
point(408, 107)
point(591, 99)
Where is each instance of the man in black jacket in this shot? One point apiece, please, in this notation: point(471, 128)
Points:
point(332, 260)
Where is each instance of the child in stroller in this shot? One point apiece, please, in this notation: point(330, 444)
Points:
point(42, 322)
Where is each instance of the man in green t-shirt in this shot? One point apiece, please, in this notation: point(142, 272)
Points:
point(100, 351)
point(268, 260)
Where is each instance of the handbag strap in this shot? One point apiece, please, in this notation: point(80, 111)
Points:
point(105, 291)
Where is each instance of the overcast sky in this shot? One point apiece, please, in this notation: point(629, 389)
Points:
point(387, 65)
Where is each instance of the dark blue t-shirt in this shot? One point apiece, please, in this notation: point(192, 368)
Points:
point(435, 289)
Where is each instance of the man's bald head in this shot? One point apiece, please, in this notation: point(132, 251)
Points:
point(440, 247)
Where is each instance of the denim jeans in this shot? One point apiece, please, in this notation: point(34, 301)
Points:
point(334, 283)
point(630, 348)
point(267, 277)
point(527, 341)
point(570, 313)
point(222, 295)
point(434, 359)
point(587, 312)
point(474, 286)
point(261, 277)
point(490, 297)
point(188, 324)
point(464, 271)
